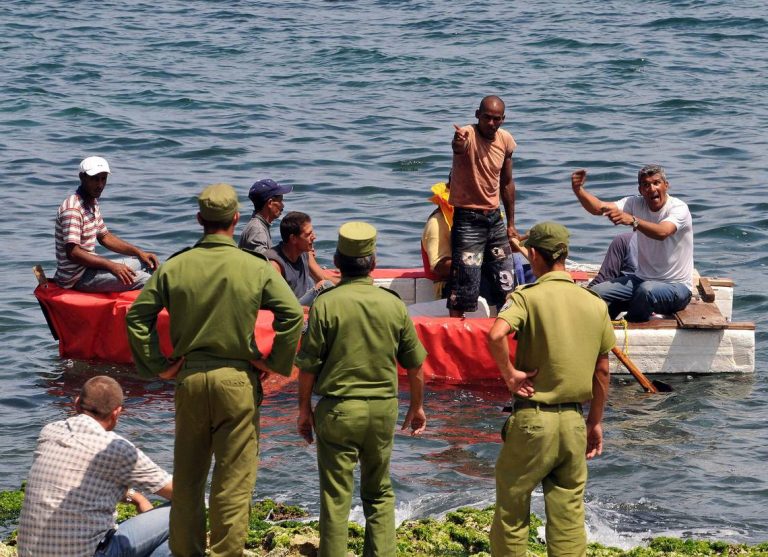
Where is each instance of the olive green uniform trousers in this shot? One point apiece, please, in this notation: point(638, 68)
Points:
point(217, 413)
point(544, 445)
point(349, 430)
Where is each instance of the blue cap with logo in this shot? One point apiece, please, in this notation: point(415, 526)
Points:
point(262, 190)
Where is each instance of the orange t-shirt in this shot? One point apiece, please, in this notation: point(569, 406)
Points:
point(476, 172)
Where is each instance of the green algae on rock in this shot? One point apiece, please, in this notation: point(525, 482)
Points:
point(278, 530)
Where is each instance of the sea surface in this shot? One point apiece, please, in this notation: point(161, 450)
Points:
point(353, 104)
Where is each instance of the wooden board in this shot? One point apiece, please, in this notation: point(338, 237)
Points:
point(705, 290)
point(701, 315)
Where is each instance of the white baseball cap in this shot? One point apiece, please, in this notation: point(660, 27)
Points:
point(94, 165)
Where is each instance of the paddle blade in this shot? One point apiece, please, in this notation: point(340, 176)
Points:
point(662, 387)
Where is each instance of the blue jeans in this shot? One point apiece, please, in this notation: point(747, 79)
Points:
point(479, 248)
point(144, 535)
point(640, 298)
point(101, 280)
point(310, 295)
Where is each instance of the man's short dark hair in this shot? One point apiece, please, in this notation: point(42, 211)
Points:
point(548, 259)
point(258, 204)
point(292, 223)
point(210, 226)
point(651, 170)
point(354, 266)
point(100, 396)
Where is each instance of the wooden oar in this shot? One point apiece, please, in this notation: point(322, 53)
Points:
point(647, 385)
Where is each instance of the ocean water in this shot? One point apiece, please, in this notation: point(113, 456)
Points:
point(353, 103)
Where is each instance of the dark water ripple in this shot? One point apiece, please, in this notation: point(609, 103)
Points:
point(352, 103)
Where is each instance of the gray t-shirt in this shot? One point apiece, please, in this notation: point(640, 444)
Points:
point(256, 236)
point(296, 273)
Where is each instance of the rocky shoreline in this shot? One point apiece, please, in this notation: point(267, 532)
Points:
point(278, 530)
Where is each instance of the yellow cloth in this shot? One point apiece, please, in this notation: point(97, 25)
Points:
point(440, 198)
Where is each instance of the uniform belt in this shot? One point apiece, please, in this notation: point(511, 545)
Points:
point(215, 363)
point(330, 397)
point(521, 404)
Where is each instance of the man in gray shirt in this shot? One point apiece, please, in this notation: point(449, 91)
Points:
point(294, 258)
point(267, 198)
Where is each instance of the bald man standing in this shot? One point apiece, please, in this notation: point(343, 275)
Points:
point(481, 177)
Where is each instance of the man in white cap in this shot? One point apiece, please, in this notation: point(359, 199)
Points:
point(79, 225)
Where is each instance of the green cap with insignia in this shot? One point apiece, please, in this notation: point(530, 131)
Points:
point(550, 237)
point(356, 239)
point(218, 203)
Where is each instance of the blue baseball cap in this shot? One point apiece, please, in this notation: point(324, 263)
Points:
point(264, 189)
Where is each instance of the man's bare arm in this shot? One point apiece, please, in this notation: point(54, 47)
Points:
point(518, 382)
point(415, 418)
point(600, 382)
point(591, 203)
point(166, 491)
point(460, 141)
point(507, 193)
point(90, 260)
point(117, 245)
point(318, 273)
point(305, 422)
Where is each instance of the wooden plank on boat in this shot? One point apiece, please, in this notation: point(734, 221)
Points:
point(705, 290)
point(701, 315)
point(726, 282)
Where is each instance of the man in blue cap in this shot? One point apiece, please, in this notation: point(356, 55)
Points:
point(267, 198)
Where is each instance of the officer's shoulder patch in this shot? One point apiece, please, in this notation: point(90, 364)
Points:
point(255, 254)
point(180, 252)
point(595, 294)
point(391, 292)
point(325, 290)
point(506, 305)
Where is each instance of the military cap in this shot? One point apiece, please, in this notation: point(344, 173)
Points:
point(356, 239)
point(218, 203)
point(550, 237)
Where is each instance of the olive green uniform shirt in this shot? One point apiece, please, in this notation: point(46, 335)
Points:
point(562, 328)
point(213, 293)
point(355, 335)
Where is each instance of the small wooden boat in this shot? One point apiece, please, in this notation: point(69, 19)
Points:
point(701, 339)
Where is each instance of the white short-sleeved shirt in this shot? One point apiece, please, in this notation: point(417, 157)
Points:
point(79, 473)
point(668, 260)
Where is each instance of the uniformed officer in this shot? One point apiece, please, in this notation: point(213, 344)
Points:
point(563, 339)
point(213, 293)
point(356, 335)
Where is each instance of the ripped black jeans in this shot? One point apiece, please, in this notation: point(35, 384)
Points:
point(480, 252)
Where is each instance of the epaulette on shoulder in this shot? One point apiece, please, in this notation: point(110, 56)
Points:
point(180, 252)
point(256, 254)
point(324, 290)
point(591, 292)
point(524, 286)
point(391, 292)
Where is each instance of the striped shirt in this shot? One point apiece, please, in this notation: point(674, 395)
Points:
point(79, 224)
point(79, 473)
